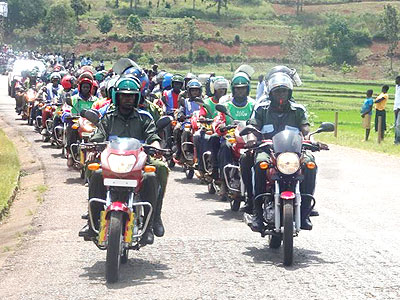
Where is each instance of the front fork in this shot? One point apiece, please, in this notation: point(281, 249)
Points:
point(296, 206)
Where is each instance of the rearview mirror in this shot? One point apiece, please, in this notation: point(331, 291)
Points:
point(250, 129)
point(68, 100)
point(221, 108)
point(92, 116)
point(326, 127)
point(83, 112)
point(163, 122)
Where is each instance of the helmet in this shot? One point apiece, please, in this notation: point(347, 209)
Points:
point(218, 83)
point(67, 82)
point(283, 69)
point(167, 81)
point(34, 72)
point(141, 75)
point(241, 79)
point(177, 78)
point(194, 84)
point(188, 77)
point(99, 76)
point(110, 86)
point(55, 75)
point(95, 87)
point(160, 77)
point(84, 78)
point(279, 81)
point(126, 85)
point(57, 68)
point(87, 75)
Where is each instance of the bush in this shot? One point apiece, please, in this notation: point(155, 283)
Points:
point(361, 37)
point(104, 25)
point(202, 55)
point(237, 39)
point(136, 52)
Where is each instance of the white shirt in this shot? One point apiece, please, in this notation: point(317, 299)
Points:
point(397, 98)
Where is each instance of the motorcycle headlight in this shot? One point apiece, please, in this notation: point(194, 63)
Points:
point(288, 163)
point(88, 126)
point(121, 163)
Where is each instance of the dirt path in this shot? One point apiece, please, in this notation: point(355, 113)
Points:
point(208, 252)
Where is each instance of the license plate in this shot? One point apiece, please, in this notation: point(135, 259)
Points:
point(120, 182)
point(87, 134)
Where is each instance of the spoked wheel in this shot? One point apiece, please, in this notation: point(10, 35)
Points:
point(235, 204)
point(114, 248)
point(189, 173)
point(288, 233)
point(274, 241)
point(124, 257)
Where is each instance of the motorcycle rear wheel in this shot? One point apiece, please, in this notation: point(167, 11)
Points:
point(287, 232)
point(114, 248)
point(189, 173)
point(235, 204)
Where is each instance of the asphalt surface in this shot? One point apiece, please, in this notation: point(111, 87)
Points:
point(208, 252)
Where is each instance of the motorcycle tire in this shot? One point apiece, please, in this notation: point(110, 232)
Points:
point(235, 204)
point(171, 163)
point(287, 232)
point(82, 173)
point(124, 257)
point(45, 138)
point(274, 241)
point(189, 173)
point(211, 188)
point(114, 251)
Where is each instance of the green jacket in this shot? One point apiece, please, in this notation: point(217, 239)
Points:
point(139, 125)
point(80, 104)
point(271, 122)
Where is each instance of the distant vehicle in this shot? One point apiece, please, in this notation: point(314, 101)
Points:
point(19, 66)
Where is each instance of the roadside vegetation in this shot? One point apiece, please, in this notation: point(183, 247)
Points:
point(9, 171)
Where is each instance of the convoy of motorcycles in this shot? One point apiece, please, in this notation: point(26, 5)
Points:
point(125, 216)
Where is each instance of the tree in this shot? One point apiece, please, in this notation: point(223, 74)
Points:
point(134, 24)
point(80, 7)
point(218, 4)
point(185, 34)
point(60, 24)
point(104, 25)
point(24, 14)
point(299, 47)
point(390, 26)
point(339, 40)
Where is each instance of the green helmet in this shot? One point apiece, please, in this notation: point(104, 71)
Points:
point(178, 78)
point(99, 76)
point(239, 80)
point(126, 86)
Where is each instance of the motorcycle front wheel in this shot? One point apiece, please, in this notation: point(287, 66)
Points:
point(189, 173)
point(114, 248)
point(235, 204)
point(287, 232)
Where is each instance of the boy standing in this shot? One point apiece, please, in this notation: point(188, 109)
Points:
point(366, 114)
point(396, 109)
point(380, 104)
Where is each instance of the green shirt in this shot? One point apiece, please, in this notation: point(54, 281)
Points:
point(139, 125)
point(209, 106)
point(79, 104)
point(239, 113)
point(271, 122)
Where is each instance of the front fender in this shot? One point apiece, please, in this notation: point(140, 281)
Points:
point(117, 206)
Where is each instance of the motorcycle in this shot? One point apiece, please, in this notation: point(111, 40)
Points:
point(282, 200)
point(123, 220)
point(187, 160)
point(30, 99)
point(235, 191)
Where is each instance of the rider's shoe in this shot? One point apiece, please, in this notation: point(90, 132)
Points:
point(87, 233)
point(314, 213)
point(248, 208)
point(147, 237)
point(85, 216)
point(257, 223)
point(70, 162)
point(306, 224)
point(158, 227)
point(44, 131)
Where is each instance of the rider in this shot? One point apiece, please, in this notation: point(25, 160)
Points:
point(53, 90)
point(83, 100)
point(273, 116)
point(186, 109)
point(218, 88)
point(129, 121)
point(184, 94)
point(240, 106)
point(170, 97)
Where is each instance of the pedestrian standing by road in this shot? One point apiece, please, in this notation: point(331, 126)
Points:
point(366, 114)
point(396, 109)
point(380, 105)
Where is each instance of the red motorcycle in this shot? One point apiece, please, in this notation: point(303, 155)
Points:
point(123, 220)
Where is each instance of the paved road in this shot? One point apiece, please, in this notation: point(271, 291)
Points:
point(208, 252)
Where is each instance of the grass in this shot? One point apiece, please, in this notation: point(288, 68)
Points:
point(40, 189)
point(9, 170)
